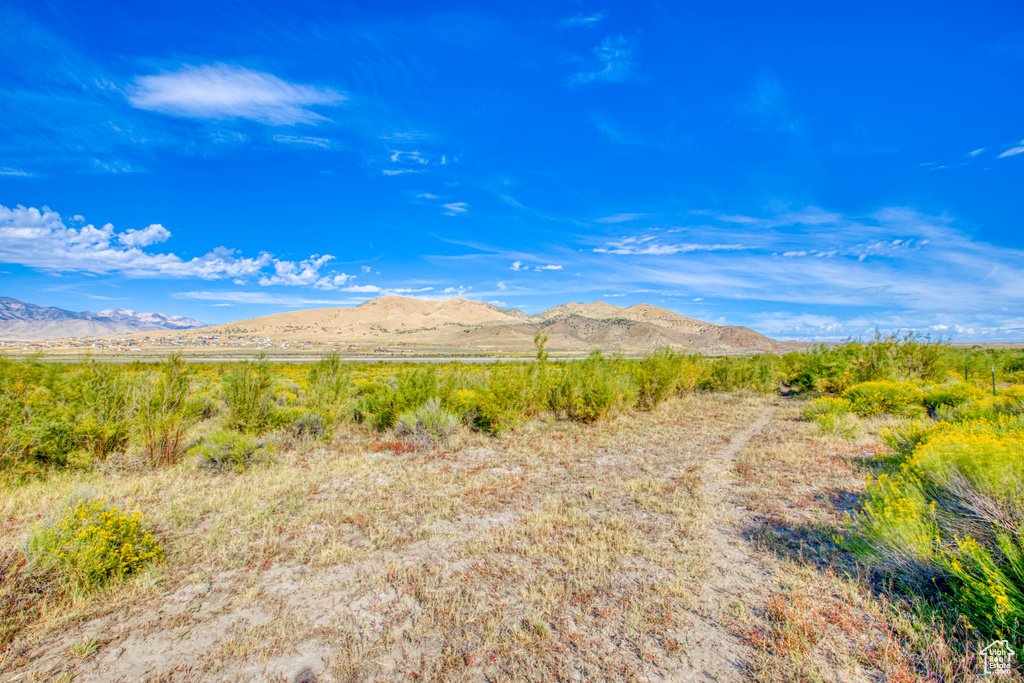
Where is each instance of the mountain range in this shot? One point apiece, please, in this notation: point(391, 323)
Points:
point(462, 324)
point(20, 321)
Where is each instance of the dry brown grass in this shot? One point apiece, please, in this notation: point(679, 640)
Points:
point(824, 620)
point(560, 552)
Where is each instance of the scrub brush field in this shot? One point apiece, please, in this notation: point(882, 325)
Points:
point(847, 513)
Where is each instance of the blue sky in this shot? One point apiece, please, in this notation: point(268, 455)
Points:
point(810, 170)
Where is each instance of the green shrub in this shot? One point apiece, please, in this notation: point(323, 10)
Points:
point(328, 386)
point(93, 542)
point(587, 391)
point(872, 398)
point(656, 377)
point(96, 411)
point(310, 426)
point(429, 423)
point(229, 450)
point(826, 405)
point(761, 373)
point(246, 389)
point(507, 398)
point(950, 395)
point(379, 402)
point(838, 425)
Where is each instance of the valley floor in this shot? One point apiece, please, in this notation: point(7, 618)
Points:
point(691, 543)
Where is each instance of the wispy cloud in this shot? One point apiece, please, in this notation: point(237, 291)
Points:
point(586, 20)
point(651, 245)
point(894, 258)
point(614, 62)
point(621, 218)
point(14, 172)
point(224, 91)
point(456, 208)
point(1013, 151)
point(304, 141)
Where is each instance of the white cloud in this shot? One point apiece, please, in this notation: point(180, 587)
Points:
point(223, 91)
point(621, 218)
point(304, 141)
point(614, 58)
point(303, 273)
point(14, 172)
point(586, 20)
point(976, 152)
point(153, 234)
point(365, 269)
point(547, 267)
point(502, 286)
point(518, 265)
point(645, 245)
point(399, 171)
point(427, 195)
point(1012, 152)
point(38, 238)
point(456, 208)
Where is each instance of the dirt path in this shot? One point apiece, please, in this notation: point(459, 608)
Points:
point(738, 577)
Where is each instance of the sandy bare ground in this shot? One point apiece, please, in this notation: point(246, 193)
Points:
point(620, 551)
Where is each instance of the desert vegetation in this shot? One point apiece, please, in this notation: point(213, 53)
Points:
point(574, 506)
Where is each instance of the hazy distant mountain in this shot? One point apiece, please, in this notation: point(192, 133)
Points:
point(461, 324)
point(23, 321)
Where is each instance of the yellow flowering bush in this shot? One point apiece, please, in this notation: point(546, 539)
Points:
point(987, 592)
point(951, 394)
point(94, 542)
point(949, 517)
point(871, 398)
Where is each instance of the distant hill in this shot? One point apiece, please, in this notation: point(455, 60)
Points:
point(474, 326)
point(24, 322)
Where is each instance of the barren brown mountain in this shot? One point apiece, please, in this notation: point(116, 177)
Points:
point(464, 325)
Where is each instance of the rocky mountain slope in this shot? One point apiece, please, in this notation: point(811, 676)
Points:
point(471, 325)
point(23, 321)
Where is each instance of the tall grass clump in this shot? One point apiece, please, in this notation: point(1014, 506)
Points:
point(167, 413)
point(228, 450)
point(428, 424)
point(93, 542)
point(826, 405)
point(838, 425)
point(246, 390)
